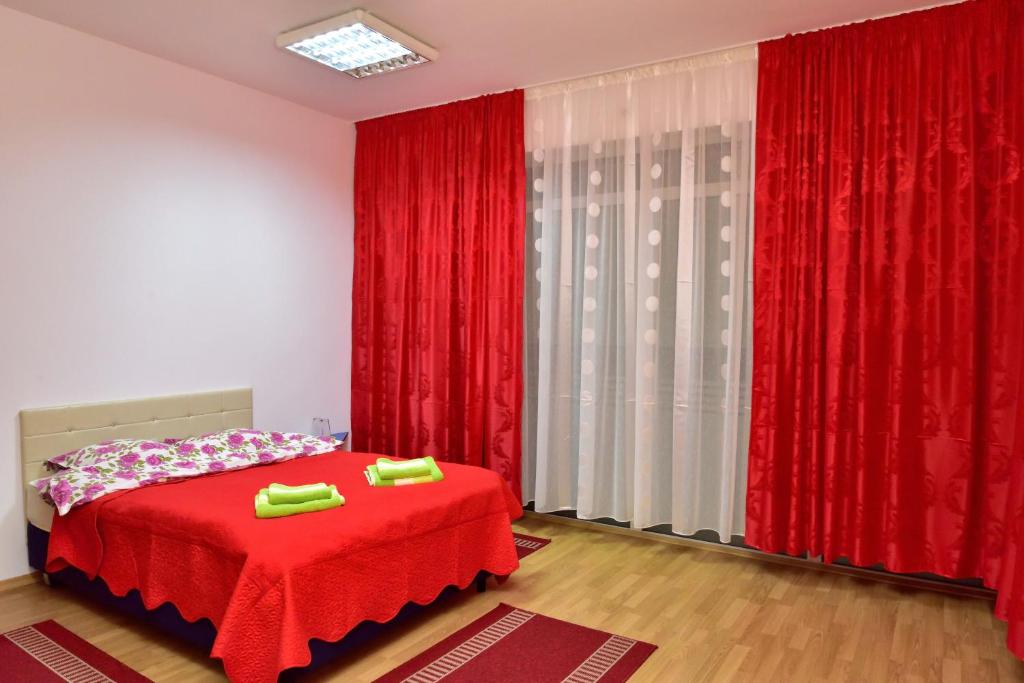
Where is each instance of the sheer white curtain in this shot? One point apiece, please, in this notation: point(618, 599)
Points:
point(638, 294)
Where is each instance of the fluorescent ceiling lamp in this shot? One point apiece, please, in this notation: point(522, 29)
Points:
point(357, 43)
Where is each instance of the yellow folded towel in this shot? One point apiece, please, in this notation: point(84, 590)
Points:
point(279, 493)
point(404, 469)
point(374, 477)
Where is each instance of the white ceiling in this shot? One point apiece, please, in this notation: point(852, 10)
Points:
point(486, 45)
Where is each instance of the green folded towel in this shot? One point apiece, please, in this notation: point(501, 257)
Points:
point(373, 476)
point(405, 469)
point(265, 509)
point(279, 493)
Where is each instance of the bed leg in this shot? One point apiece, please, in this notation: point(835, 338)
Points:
point(46, 579)
point(481, 582)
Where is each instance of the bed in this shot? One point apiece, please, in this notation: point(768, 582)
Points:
point(268, 587)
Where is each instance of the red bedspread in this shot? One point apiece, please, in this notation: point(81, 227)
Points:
point(270, 585)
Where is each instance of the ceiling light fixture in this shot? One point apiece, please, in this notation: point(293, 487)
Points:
point(358, 44)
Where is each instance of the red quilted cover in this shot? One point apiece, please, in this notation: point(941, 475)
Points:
point(270, 585)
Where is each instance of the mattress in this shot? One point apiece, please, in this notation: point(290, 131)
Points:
point(271, 585)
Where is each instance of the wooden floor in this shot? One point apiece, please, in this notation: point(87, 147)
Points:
point(714, 617)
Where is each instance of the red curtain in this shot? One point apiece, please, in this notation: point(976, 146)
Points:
point(888, 418)
point(438, 285)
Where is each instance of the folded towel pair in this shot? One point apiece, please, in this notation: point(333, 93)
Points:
point(266, 509)
point(403, 472)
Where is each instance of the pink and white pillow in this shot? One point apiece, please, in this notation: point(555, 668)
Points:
point(95, 471)
point(106, 451)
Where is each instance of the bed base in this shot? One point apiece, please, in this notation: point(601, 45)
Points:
point(202, 633)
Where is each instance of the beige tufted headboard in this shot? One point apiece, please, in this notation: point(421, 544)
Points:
point(46, 432)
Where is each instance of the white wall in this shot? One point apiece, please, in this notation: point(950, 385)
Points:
point(162, 231)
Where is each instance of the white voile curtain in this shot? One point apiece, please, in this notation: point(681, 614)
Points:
point(638, 294)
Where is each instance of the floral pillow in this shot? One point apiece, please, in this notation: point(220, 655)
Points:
point(106, 451)
point(255, 446)
point(212, 453)
point(76, 486)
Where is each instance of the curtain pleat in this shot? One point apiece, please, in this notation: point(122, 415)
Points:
point(437, 289)
point(637, 297)
point(889, 310)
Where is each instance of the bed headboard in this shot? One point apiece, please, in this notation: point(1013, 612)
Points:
point(46, 432)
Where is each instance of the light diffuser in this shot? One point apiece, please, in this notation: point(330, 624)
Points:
point(358, 44)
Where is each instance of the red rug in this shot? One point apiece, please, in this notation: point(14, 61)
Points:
point(49, 653)
point(529, 544)
point(513, 645)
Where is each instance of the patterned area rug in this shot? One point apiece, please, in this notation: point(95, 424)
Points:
point(511, 645)
point(526, 545)
point(49, 653)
